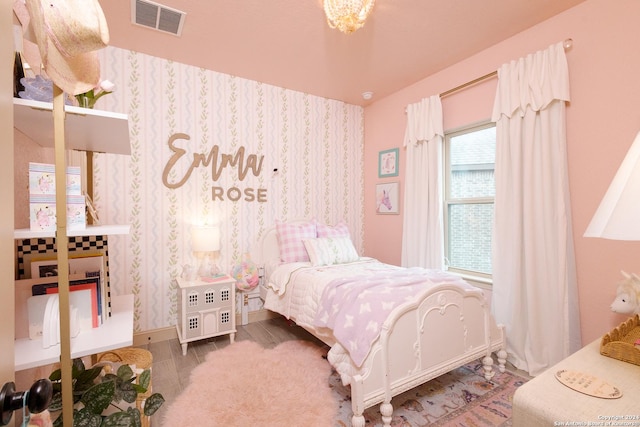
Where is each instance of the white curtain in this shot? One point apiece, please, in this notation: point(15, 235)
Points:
point(422, 234)
point(534, 281)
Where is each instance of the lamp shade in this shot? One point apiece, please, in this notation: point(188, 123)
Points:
point(618, 216)
point(205, 238)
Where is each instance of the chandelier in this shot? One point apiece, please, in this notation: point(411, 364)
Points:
point(347, 15)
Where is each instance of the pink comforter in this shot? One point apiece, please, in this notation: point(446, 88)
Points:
point(355, 308)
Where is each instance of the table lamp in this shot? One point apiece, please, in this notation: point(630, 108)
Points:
point(618, 216)
point(205, 240)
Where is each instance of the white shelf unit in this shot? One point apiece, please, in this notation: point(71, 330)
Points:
point(86, 129)
point(116, 332)
point(91, 131)
point(91, 230)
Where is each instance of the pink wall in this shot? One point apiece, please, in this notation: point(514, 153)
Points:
point(603, 118)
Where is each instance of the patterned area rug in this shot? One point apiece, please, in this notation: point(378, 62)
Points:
point(461, 398)
point(294, 385)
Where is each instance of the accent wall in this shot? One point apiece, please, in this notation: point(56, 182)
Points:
point(261, 153)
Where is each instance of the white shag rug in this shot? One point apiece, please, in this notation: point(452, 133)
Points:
point(245, 384)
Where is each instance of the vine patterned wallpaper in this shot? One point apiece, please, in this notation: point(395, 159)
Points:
point(265, 153)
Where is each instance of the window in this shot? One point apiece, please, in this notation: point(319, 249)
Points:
point(468, 199)
point(209, 296)
point(192, 299)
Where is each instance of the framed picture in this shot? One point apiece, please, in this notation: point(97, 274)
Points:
point(44, 268)
point(388, 163)
point(387, 198)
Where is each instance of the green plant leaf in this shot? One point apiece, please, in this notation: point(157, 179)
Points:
point(118, 386)
point(135, 413)
point(98, 397)
point(144, 379)
point(138, 388)
point(56, 402)
point(153, 403)
point(84, 418)
point(127, 392)
point(129, 418)
point(77, 366)
point(56, 375)
point(125, 372)
point(85, 379)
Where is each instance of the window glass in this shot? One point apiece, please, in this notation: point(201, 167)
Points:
point(469, 197)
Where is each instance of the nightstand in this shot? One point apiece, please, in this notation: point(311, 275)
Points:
point(206, 308)
point(545, 401)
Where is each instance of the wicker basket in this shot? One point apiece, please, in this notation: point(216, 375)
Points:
point(620, 342)
point(142, 359)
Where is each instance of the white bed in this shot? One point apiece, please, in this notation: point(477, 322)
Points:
point(447, 325)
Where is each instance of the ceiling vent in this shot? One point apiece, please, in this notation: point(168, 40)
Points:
point(157, 16)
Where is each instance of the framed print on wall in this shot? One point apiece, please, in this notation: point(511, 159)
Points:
point(387, 198)
point(388, 163)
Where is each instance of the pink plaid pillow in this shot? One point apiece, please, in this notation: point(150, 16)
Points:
point(338, 230)
point(290, 240)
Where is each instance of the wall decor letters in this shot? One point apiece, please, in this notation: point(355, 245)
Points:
point(218, 163)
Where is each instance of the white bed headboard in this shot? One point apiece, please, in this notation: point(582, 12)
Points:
point(266, 250)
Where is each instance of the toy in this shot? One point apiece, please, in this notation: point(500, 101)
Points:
point(627, 299)
point(246, 274)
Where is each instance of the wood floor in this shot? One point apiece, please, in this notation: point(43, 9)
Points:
point(171, 370)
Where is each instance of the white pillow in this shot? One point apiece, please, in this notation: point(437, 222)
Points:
point(330, 250)
point(339, 230)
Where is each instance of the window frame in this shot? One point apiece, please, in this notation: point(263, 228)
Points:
point(476, 276)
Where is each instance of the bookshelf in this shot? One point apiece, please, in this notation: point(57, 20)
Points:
point(53, 124)
point(86, 129)
point(91, 230)
point(115, 332)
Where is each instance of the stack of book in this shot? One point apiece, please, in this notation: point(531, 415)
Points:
point(88, 296)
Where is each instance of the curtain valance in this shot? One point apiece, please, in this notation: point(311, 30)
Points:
point(424, 120)
point(532, 82)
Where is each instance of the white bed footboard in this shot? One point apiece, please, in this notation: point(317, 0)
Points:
point(448, 328)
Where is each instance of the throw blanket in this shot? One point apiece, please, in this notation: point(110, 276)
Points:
point(355, 308)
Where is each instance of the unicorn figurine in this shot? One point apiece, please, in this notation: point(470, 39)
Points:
point(627, 299)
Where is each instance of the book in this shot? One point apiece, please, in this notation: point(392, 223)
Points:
point(80, 313)
point(212, 279)
point(80, 265)
point(89, 283)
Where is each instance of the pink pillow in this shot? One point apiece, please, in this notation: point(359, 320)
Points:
point(338, 230)
point(290, 240)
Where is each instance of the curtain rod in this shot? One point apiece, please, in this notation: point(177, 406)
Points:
point(566, 44)
point(469, 83)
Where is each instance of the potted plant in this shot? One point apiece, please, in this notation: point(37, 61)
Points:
point(103, 398)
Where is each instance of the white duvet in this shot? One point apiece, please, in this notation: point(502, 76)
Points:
point(297, 287)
